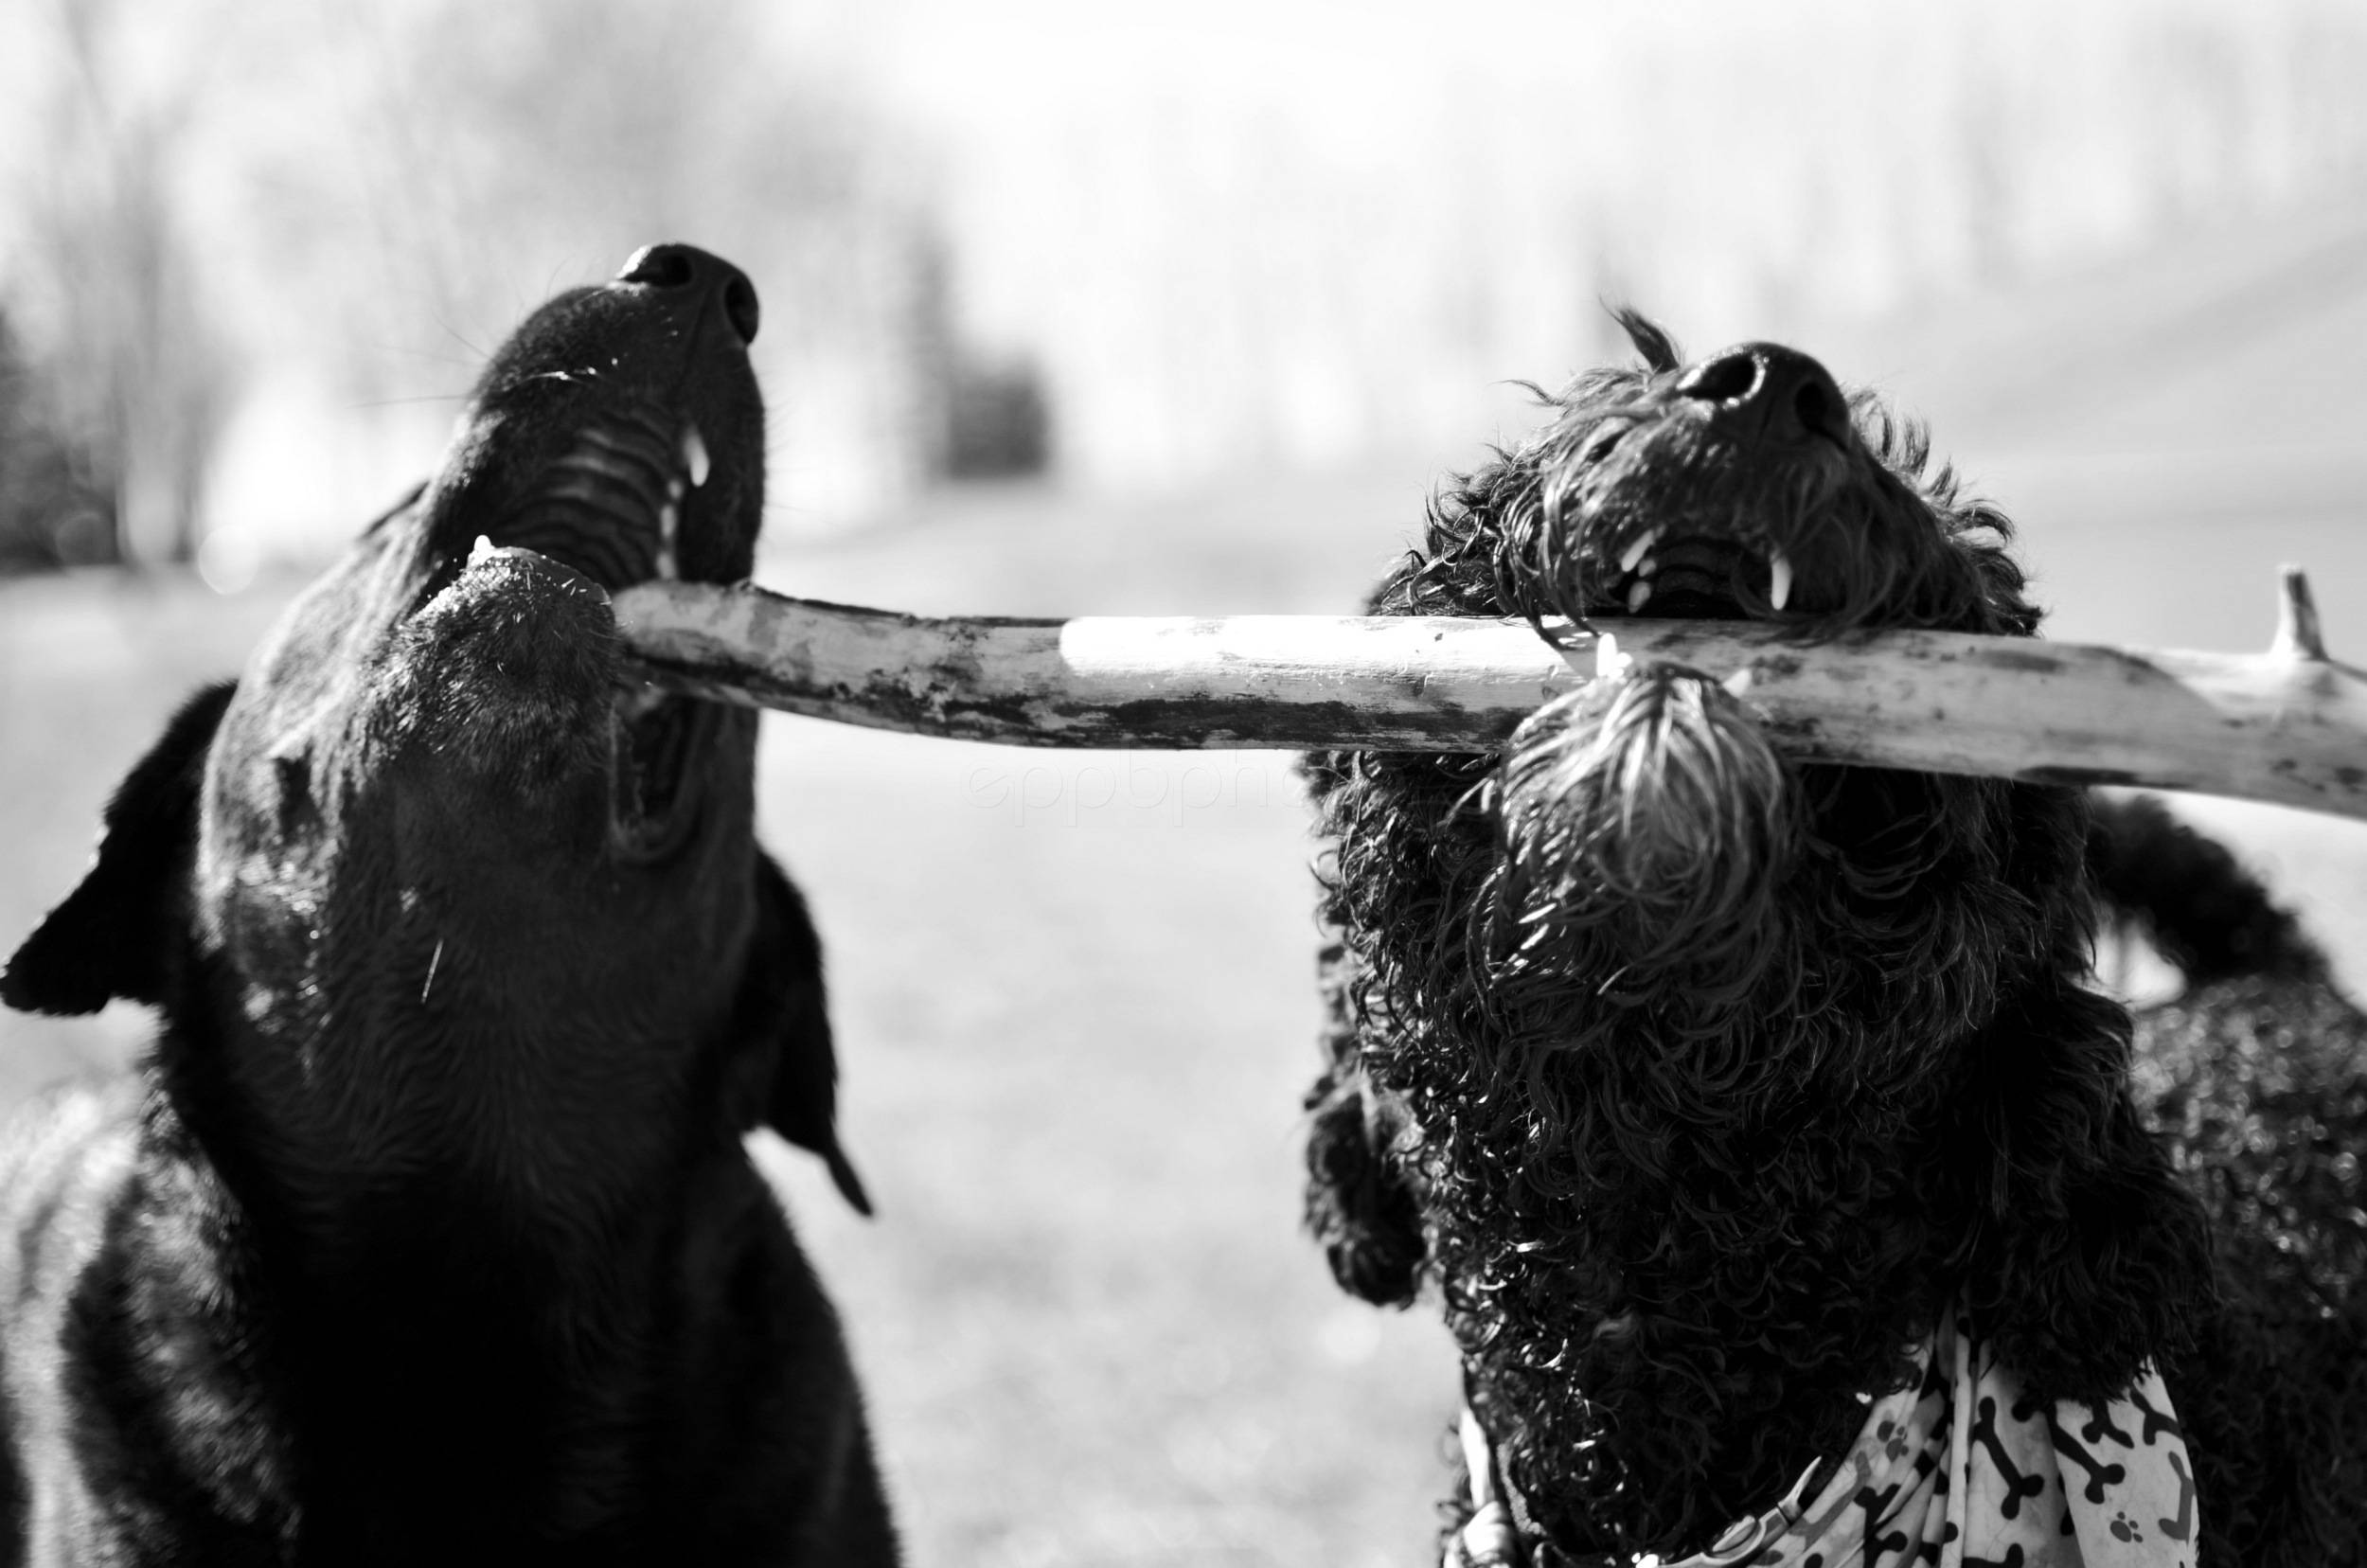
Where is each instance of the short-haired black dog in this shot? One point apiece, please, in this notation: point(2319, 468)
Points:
point(425, 1232)
point(1790, 1189)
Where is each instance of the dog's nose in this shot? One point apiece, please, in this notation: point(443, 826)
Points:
point(1766, 387)
point(697, 272)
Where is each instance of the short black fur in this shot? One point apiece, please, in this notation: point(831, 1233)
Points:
point(427, 1231)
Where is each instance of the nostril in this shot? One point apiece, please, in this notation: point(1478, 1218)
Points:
point(659, 266)
point(1819, 411)
point(739, 305)
point(1722, 379)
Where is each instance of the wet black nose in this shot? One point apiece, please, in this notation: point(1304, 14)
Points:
point(697, 272)
point(1766, 387)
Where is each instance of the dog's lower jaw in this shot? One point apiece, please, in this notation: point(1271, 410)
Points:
point(1649, 810)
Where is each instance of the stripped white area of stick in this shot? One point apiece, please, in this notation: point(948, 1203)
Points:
point(1281, 655)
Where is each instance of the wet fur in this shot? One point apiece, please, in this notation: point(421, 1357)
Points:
point(425, 1231)
point(1698, 1081)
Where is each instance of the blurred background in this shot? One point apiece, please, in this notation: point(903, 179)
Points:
point(1076, 307)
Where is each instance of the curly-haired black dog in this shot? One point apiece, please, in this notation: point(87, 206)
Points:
point(1749, 1113)
point(426, 1233)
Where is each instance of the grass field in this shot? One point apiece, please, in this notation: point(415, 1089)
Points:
point(1073, 992)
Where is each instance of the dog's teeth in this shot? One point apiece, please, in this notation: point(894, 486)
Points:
point(1610, 663)
point(1778, 579)
point(668, 522)
point(1738, 685)
point(674, 487)
point(694, 454)
point(483, 551)
point(1637, 551)
point(1637, 596)
point(1652, 564)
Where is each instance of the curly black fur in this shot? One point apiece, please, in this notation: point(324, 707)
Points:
point(1700, 1081)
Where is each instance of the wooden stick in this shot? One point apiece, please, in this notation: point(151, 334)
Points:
point(2288, 725)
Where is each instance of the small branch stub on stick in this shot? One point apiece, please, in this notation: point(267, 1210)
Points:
point(2288, 725)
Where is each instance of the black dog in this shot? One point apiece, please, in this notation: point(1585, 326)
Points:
point(1783, 1175)
point(426, 1232)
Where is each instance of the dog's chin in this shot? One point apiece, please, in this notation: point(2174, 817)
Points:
point(511, 680)
point(1646, 810)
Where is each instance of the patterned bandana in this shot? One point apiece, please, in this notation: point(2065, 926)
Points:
point(1959, 1471)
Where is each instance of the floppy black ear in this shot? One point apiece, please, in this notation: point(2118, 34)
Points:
point(1361, 1206)
point(784, 1066)
point(116, 934)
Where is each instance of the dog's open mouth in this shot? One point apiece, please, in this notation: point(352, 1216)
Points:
point(615, 507)
point(1671, 576)
point(659, 739)
point(611, 506)
point(1673, 524)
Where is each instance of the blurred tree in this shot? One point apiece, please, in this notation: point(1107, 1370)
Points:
point(139, 379)
point(51, 514)
point(982, 417)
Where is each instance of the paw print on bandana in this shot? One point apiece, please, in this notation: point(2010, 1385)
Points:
point(2125, 1528)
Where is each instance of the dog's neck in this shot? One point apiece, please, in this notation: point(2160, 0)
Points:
point(440, 1329)
point(1702, 1401)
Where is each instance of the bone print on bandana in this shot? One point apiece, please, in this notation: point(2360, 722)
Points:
point(1962, 1472)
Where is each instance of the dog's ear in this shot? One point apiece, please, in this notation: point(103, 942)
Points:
point(1361, 1207)
point(784, 1071)
point(2082, 1256)
point(116, 933)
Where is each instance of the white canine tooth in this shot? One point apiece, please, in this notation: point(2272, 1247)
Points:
point(1639, 549)
point(694, 456)
point(1738, 685)
point(483, 552)
point(1610, 663)
point(1652, 564)
point(668, 522)
point(674, 487)
point(1778, 579)
point(1637, 596)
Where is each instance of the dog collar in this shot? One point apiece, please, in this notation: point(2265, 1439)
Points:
point(1956, 1468)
